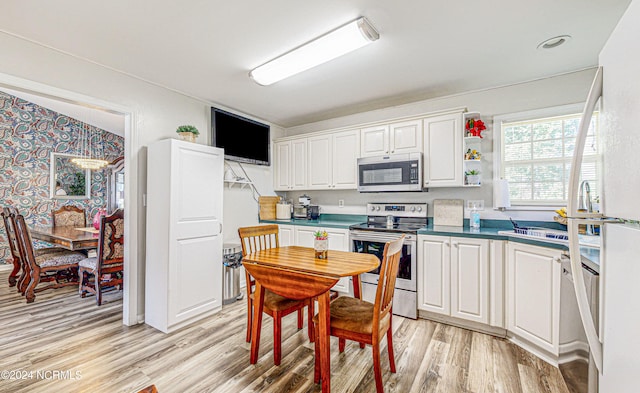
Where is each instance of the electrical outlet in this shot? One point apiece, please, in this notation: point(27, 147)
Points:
point(477, 204)
point(340, 202)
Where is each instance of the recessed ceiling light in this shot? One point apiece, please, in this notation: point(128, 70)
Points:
point(554, 42)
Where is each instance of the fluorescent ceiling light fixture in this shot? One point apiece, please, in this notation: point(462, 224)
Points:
point(334, 44)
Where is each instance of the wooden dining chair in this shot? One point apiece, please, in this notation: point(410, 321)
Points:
point(69, 216)
point(59, 267)
point(365, 322)
point(106, 269)
point(260, 238)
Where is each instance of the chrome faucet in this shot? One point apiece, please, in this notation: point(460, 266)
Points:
point(584, 202)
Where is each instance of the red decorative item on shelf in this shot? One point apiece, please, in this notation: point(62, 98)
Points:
point(98, 217)
point(475, 127)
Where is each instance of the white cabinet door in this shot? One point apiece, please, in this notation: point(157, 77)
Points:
point(286, 235)
point(375, 141)
point(290, 165)
point(346, 148)
point(470, 279)
point(434, 274)
point(533, 294)
point(282, 166)
point(298, 164)
point(405, 137)
point(338, 240)
point(496, 283)
point(320, 162)
point(443, 151)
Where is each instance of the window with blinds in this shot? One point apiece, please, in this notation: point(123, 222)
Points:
point(536, 158)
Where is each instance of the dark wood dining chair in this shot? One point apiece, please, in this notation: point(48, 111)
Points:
point(106, 269)
point(260, 238)
point(59, 267)
point(69, 216)
point(149, 389)
point(365, 322)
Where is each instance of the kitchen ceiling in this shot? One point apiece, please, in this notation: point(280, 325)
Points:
point(206, 48)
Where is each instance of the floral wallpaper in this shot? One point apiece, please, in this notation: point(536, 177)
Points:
point(28, 135)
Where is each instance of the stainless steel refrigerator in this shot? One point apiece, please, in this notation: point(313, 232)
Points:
point(614, 336)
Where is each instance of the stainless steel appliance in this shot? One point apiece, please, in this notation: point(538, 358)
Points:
point(400, 172)
point(386, 222)
point(309, 212)
point(232, 260)
point(300, 211)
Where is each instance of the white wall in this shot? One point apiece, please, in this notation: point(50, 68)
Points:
point(560, 90)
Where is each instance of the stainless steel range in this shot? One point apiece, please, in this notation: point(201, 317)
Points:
point(387, 221)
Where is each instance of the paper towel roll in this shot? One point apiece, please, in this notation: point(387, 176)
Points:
point(501, 198)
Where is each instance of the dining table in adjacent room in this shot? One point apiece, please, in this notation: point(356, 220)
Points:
point(296, 273)
point(69, 237)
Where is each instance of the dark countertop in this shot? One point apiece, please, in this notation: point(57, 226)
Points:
point(488, 230)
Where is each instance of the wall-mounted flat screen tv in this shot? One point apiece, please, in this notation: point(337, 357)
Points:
point(242, 139)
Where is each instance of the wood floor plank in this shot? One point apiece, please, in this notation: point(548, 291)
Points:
point(61, 331)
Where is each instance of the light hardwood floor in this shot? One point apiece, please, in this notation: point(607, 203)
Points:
point(61, 331)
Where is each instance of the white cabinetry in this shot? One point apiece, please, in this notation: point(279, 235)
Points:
point(290, 165)
point(533, 294)
point(454, 277)
point(338, 240)
point(286, 235)
point(394, 138)
point(442, 150)
point(332, 160)
point(183, 279)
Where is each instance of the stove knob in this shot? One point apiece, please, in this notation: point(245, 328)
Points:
point(373, 208)
point(413, 208)
point(378, 208)
point(419, 209)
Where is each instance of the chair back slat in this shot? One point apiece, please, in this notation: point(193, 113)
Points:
point(69, 216)
point(10, 231)
point(387, 281)
point(111, 242)
point(25, 244)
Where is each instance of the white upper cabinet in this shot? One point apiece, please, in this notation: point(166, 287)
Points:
point(333, 160)
point(375, 141)
point(290, 165)
point(405, 137)
point(394, 138)
point(442, 152)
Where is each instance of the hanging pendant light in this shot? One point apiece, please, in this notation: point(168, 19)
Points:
point(90, 149)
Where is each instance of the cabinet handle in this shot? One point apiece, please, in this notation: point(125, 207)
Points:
point(455, 244)
point(558, 260)
point(393, 151)
point(447, 244)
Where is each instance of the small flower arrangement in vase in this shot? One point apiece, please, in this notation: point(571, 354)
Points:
point(321, 244)
point(474, 127)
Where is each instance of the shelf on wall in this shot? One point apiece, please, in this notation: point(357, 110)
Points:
point(242, 183)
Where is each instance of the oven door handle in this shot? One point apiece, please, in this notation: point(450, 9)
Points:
point(379, 236)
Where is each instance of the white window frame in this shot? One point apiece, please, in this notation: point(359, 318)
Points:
point(562, 110)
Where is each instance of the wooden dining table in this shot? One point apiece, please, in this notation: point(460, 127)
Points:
point(69, 237)
point(296, 273)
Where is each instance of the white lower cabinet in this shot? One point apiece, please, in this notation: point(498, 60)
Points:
point(286, 235)
point(338, 240)
point(533, 294)
point(453, 277)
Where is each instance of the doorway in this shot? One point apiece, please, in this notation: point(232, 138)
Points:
point(82, 108)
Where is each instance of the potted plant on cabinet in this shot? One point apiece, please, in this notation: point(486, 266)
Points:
point(473, 177)
point(188, 133)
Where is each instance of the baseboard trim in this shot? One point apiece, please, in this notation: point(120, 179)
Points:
point(461, 323)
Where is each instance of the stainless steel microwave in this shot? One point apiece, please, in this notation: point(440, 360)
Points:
point(400, 172)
